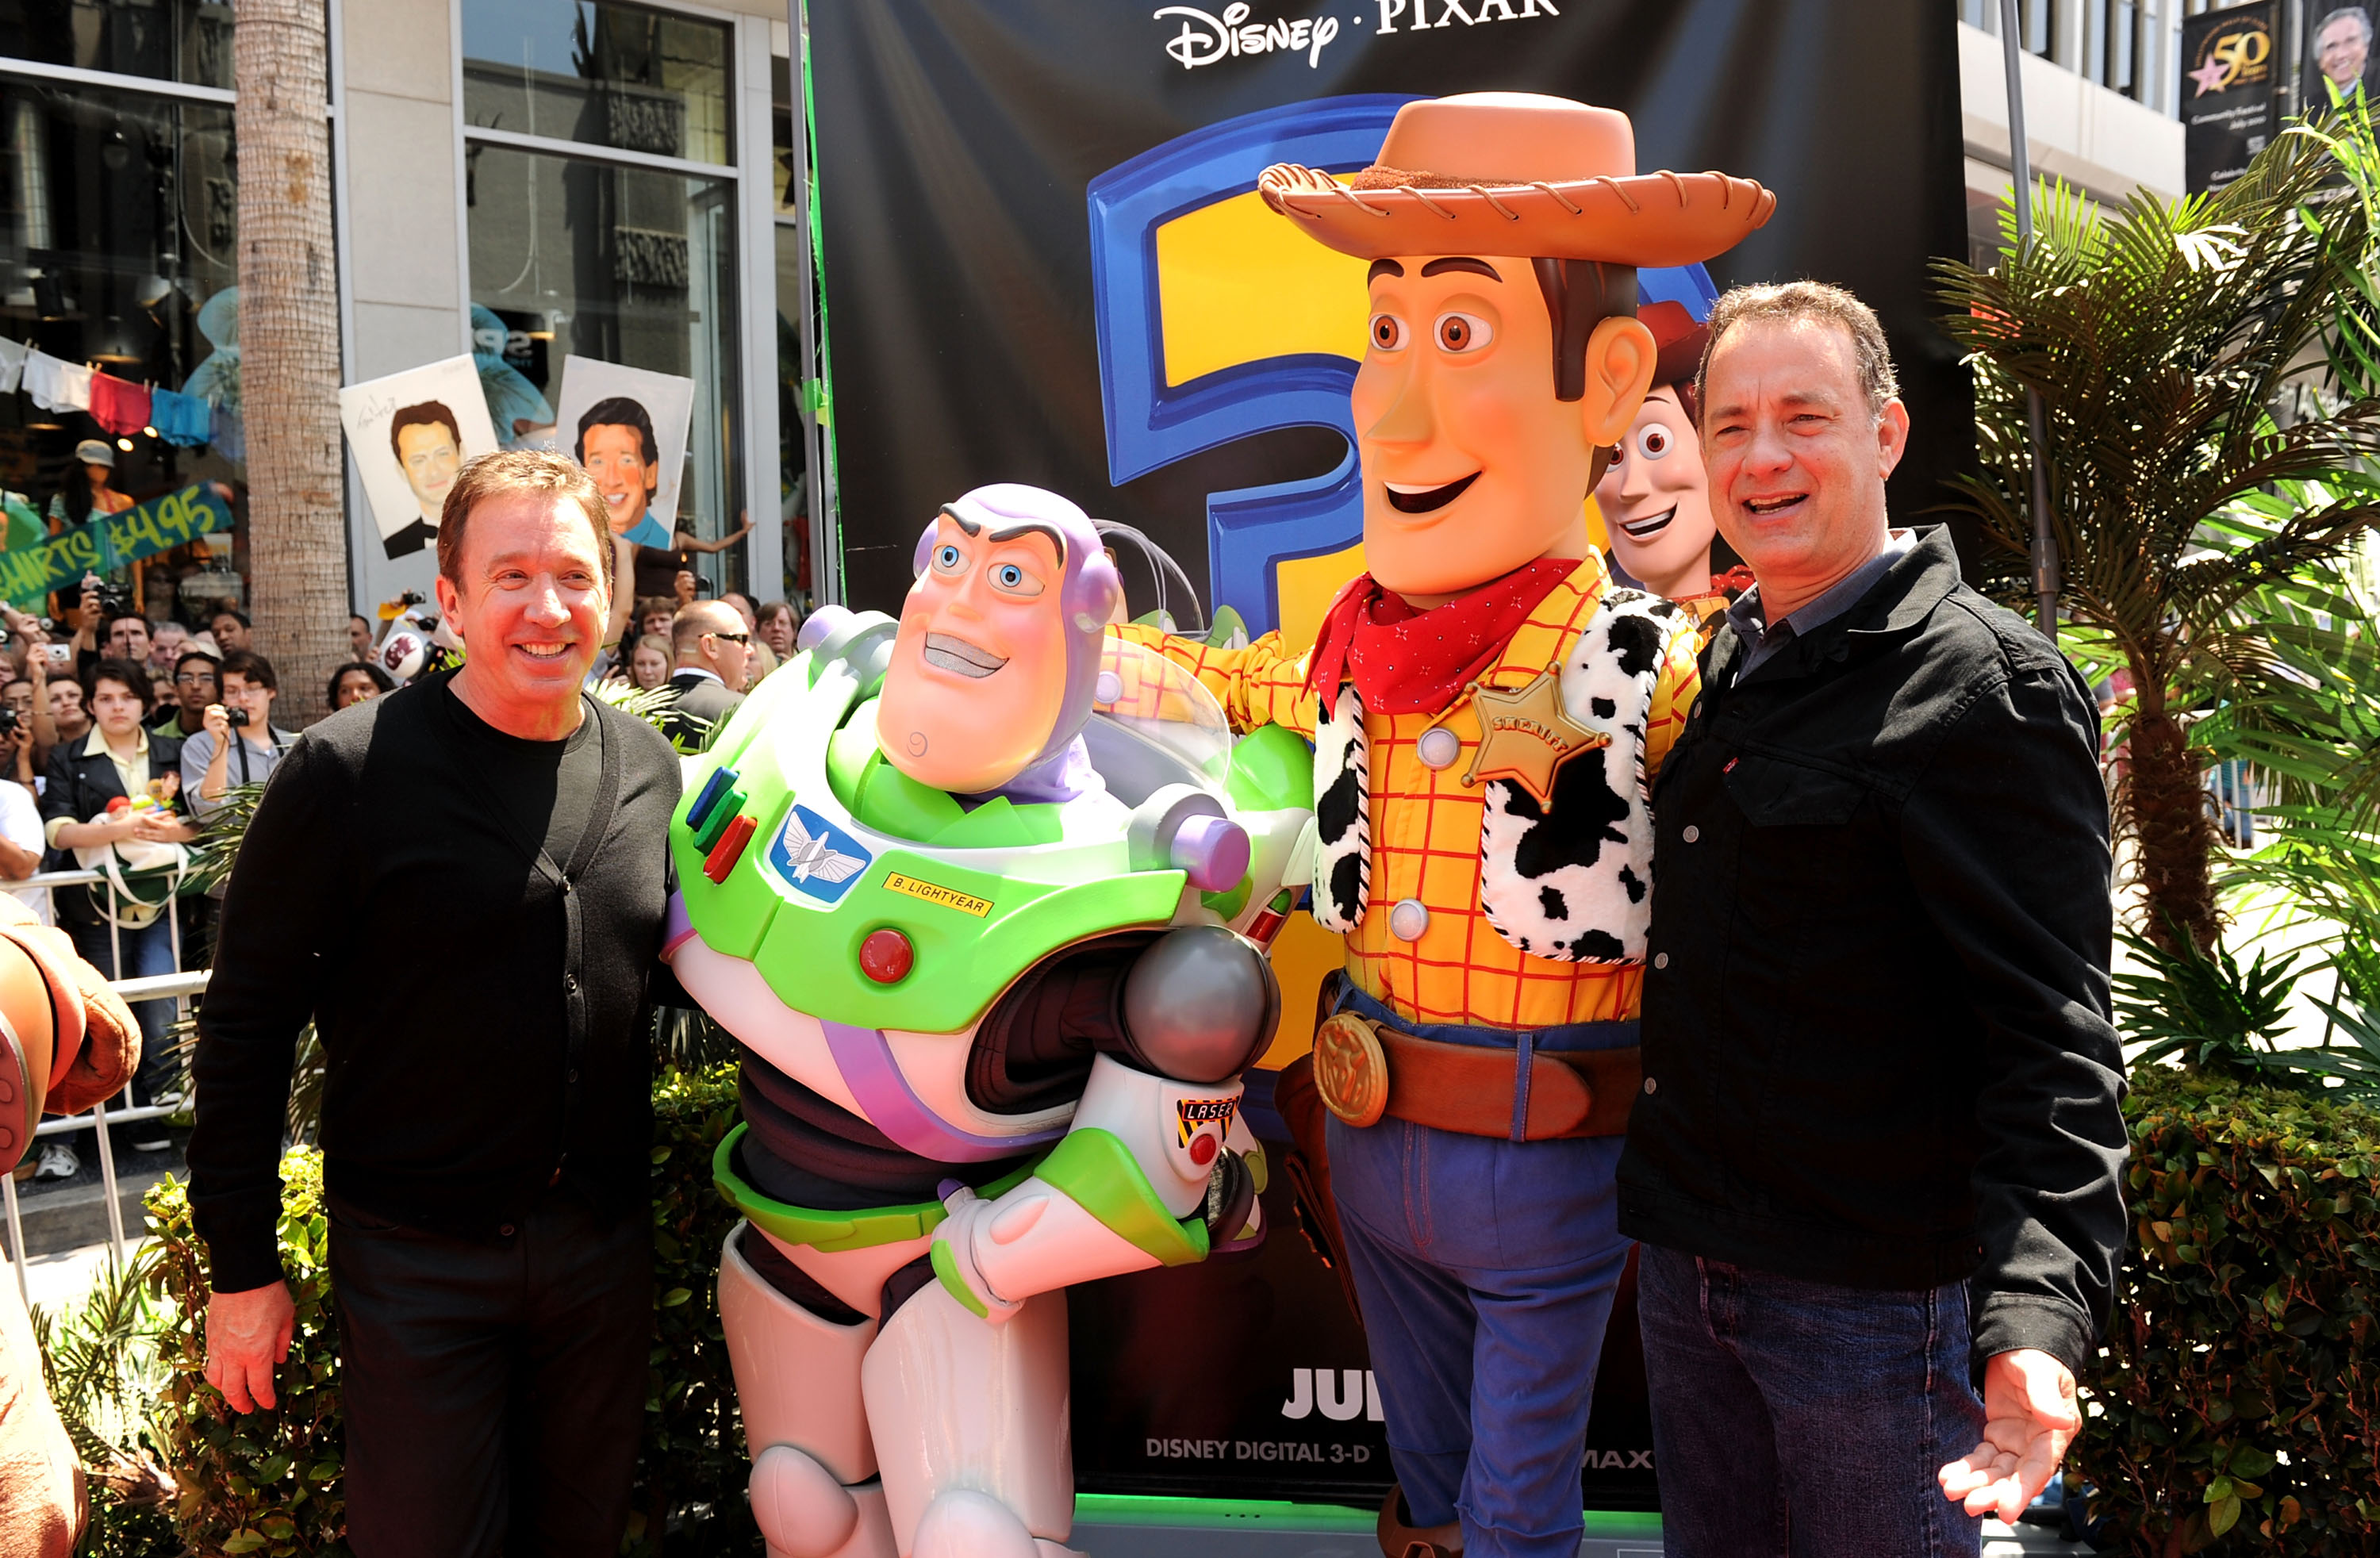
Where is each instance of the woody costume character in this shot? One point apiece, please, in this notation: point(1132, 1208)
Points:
point(1487, 712)
point(1655, 496)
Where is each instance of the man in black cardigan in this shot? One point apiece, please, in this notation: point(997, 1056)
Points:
point(462, 886)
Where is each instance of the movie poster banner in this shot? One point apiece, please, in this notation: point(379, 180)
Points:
point(1044, 261)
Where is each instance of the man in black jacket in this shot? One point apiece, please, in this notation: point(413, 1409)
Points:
point(486, 1116)
point(713, 648)
point(1874, 1157)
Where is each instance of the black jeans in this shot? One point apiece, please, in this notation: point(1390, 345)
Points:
point(494, 1393)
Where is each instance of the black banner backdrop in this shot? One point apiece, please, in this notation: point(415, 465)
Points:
point(957, 139)
point(2231, 83)
point(1035, 270)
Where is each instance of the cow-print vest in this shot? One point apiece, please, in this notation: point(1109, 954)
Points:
point(1572, 886)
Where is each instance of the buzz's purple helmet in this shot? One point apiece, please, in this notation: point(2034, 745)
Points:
point(1088, 588)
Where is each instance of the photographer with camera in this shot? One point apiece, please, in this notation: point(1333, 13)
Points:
point(238, 744)
point(28, 696)
point(101, 622)
point(195, 689)
point(18, 701)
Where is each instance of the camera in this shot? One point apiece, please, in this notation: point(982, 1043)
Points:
point(10, 723)
point(113, 603)
point(236, 718)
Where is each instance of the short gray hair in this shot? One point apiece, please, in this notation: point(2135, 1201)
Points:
point(1796, 303)
point(2355, 14)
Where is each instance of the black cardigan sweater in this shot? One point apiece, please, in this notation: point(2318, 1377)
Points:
point(485, 1030)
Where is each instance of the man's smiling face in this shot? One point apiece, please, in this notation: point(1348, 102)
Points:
point(1797, 456)
point(1471, 467)
point(979, 670)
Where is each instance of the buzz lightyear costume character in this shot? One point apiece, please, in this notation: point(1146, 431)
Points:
point(1488, 713)
point(983, 896)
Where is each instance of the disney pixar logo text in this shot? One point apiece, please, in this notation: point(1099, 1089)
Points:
point(1205, 39)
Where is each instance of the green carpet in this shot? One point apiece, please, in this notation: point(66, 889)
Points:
point(1115, 1509)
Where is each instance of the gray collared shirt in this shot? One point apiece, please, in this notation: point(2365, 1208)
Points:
point(1763, 641)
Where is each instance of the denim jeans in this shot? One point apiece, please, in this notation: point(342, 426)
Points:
point(1798, 1417)
point(1486, 1270)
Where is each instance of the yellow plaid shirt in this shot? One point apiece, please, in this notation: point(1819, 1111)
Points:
point(1425, 823)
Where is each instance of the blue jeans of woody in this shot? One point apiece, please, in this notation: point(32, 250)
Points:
point(1799, 1418)
point(1486, 1270)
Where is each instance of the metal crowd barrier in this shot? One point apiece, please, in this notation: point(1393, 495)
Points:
point(179, 987)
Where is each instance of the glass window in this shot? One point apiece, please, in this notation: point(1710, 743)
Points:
point(185, 40)
point(119, 251)
point(626, 265)
point(605, 74)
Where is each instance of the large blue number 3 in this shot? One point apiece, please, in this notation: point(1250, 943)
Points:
point(1199, 346)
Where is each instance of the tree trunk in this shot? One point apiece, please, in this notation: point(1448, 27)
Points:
point(289, 350)
point(2166, 798)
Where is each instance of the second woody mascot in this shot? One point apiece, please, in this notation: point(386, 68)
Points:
point(1488, 711)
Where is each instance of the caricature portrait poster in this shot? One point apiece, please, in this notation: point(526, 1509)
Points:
point(410, 434)
point(627, 426)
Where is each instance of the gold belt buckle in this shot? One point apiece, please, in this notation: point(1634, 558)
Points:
point(1351, 1071)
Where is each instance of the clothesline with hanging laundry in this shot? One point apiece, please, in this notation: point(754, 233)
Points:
point(117, 404)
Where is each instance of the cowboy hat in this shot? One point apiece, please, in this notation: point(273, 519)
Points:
point(1515, 173)
point(1679, 337)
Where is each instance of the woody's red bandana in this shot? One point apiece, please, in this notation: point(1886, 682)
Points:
point(1406, 660)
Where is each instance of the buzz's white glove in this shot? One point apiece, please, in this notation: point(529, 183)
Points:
point(953, 1255)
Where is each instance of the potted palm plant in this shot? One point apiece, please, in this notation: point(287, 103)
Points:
point(2210, 428)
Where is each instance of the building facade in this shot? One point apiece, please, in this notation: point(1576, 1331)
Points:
point(518, 180)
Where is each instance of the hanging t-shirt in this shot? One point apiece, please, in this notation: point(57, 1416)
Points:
point(121, 407)
point(55, 384)
point(12, 363)
point(179, 419)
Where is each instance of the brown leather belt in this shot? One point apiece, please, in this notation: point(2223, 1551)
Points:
point(1364, 1070)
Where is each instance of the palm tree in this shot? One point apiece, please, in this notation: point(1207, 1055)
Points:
point(290, 345)
point(2200, 455)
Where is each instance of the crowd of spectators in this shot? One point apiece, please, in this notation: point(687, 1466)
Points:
point(121, 730)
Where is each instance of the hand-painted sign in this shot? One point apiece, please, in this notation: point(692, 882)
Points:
point(107, 541)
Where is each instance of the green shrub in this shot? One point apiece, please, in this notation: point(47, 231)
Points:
point(2239, 1392)
point(99, 1359)
point(691, 1470)
point(266, 1484)
point(270, 1483)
